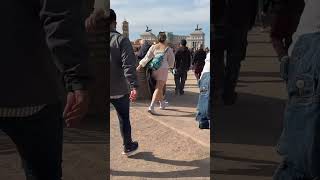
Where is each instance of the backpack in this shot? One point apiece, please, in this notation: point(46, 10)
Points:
point(156, 62)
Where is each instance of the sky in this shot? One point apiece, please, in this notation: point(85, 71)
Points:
point(178, 16)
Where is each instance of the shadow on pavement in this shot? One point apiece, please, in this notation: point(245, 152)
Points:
point(92, 130)
point(260, 167)
point(77, 136)
point(267, 81)
point(253, 120)
point(259, 42)
point(176, 110)
point(260, 56)
point(201, 168)
point(260, 122)
point(189, 100)
point(187, 115)
point(259, 74)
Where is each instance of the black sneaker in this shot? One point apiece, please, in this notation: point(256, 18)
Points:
point(130, 149)
point(204, 126)
point(182, 92)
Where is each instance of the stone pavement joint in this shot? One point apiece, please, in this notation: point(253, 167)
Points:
point(181, 132)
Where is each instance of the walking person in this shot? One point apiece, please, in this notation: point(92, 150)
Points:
point(230, 35)
point(53, 38)
point(144, 47)
point(192, 54)
point(163, 56)
point(299, 143)
point(285, 22)
point(266, 4)
point(203, 107)
point(199, 61)
point(123, 80)
point(182, 66)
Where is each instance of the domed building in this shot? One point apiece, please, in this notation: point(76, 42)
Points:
point(148, 36)
point(194, 40)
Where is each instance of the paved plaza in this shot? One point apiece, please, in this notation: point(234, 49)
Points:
point(84, 154)
point(171, 144)
point(247, 132)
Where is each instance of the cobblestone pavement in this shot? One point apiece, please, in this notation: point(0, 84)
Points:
point(247, 132)
point(171, 144)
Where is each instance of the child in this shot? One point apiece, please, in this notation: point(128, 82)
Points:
point(203, 115)
point(299, 143)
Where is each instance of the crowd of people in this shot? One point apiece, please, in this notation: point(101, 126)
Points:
point(179, 61)
point(295, 36)
point(157, 60)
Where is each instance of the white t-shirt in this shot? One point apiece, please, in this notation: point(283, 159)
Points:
point(309, 21)
point(206, 67)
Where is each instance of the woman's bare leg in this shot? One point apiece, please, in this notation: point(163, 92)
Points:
point(157, 94)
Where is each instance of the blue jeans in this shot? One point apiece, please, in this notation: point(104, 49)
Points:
point(203, 115)
point(299, 143)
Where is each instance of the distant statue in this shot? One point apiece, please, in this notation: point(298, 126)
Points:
point(148, 30)
point(198, 29)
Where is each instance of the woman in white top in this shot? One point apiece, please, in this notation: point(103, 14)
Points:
point(203, 107)
point(160, 75)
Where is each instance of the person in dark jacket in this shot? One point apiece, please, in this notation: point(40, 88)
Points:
point(42, 37)
point(232, 20)
point(182, 66)
point(145, 45)
point(123, 78)
point(285, 22)
point(199, 61)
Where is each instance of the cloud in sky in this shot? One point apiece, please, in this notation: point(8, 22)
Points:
point(119, 2)
point(177, 16)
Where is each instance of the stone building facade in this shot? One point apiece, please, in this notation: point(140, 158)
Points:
point(194, 40)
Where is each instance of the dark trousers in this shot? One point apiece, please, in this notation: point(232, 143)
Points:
point(233, 41)
point(122, 106)
point(38, 139)
point(180, 79)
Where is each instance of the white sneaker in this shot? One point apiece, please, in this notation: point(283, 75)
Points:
point(164, 105)
point(151, 110)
